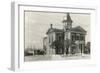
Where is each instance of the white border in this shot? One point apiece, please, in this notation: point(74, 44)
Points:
point(18, 28)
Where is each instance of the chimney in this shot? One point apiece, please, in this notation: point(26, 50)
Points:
point(51, 25)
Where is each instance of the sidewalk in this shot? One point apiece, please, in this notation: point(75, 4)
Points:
point(56, 57)
point(68, 57)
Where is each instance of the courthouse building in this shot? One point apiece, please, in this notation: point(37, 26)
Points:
point(68, 40)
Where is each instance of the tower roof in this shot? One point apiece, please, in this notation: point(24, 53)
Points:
point(67, 18)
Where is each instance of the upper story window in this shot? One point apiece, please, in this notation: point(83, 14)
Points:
point(72, 37)
point(49, 39)
point(59, 36)
point(82, 37)
point(77, 37)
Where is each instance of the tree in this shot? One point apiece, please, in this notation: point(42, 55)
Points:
point(57, 45)
point(87, 48)
point(61, 45)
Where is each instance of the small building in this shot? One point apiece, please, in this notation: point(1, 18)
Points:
point(69, 40)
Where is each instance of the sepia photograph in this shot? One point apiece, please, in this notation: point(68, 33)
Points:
point(56, 36)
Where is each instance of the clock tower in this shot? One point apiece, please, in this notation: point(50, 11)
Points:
point(67, 23)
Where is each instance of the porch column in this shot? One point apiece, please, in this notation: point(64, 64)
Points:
point(69, 42)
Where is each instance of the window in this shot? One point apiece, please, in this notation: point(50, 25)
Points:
point(82, 37)
point(52, 38)
point(77, 37)
point(59, 38)
point(72, 37)
point(49, 39)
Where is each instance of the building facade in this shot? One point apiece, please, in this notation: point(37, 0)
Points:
point(69, 40)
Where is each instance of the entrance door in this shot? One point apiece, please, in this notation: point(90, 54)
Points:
point(80, 47)
point(59, 51)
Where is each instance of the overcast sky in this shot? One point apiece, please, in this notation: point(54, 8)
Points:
point(37, 24)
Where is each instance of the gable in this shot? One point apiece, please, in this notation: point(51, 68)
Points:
point(78, 29)
point(54, 30)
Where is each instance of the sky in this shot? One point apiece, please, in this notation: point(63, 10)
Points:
point(37, 24)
